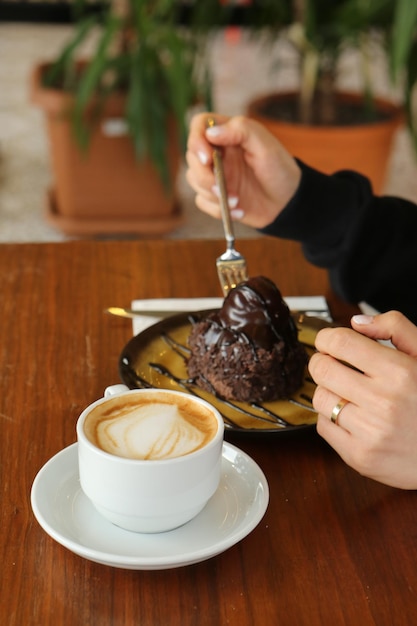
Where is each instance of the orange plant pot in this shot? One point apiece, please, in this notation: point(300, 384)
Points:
point(106, 189)
point(365, 148)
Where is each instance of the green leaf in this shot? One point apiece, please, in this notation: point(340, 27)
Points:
point(57, 73)
point(90, 82)
point(404, 33)
point(410, 88)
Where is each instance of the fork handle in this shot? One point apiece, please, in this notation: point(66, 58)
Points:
point(221, 183)
point(224, 205)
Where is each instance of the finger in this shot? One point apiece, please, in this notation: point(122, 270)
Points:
point(203, 182)
point(209, 203)
point(205, 205)
point(256, 142)
point(349, 442)
point(207, 196)
point(197, 174)
point(340, 439)
point(197, 140)
point(325, 401)
point(341, 380)
point(391, 326)
point(339, 412)
point(361, 352)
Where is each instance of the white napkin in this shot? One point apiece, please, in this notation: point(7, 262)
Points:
point(311, 305)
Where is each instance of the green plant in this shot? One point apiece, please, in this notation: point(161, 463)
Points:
point(141, 49)
point(322, 30)
point(403, 56)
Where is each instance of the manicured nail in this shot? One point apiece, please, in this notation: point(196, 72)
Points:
point(203, 157)
point(237, 214)
point(362, 320)
point(213, 131)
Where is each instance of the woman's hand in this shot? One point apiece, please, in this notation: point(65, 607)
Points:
point(376, 431)
point(261, 176)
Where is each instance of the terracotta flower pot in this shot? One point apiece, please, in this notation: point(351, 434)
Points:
point(365, 148)
point(106, 189)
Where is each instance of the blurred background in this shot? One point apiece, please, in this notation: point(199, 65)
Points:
point(240, 70)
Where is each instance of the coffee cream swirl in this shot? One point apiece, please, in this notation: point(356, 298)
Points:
point(151, 431)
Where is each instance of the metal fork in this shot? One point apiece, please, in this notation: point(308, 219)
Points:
point(231, 265)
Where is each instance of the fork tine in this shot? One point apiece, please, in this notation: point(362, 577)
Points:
point(231, 273)
point(231, 270)
point(231, 265)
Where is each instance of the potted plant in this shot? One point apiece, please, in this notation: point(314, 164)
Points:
point(117, 120)
point(319, 124)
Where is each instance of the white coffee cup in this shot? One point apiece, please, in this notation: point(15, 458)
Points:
point(136, 476)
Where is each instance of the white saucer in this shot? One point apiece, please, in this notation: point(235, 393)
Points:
point(68, 516)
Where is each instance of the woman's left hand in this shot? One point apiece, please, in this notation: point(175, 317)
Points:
point(376, 430)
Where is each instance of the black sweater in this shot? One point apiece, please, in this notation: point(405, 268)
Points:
point(367, 243)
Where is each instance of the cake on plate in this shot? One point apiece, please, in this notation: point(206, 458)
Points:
point(248, 350)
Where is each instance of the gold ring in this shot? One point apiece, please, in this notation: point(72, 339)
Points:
point(336, 410)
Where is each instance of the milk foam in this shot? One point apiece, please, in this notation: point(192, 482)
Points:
point(149, 431)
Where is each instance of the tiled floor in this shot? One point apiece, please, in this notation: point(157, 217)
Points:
point(241, 72)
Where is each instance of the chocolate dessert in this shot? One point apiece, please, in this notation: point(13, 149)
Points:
point(249, 349)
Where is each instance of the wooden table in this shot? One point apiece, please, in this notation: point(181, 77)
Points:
point(333, 548)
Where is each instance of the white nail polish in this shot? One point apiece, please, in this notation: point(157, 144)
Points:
point(232, 202)
point(362, 320)
point(215, 189)
point(213, 131)
point(203, 157)
point(237, 214)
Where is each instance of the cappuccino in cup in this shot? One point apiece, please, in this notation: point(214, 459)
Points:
point(151, 427)
point(149, 459)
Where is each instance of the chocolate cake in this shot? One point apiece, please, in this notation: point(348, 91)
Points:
point(249, 349)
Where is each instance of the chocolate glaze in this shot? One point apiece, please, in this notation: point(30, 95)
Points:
point(256, 312)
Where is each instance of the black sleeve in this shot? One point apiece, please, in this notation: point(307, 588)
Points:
point(367, 243)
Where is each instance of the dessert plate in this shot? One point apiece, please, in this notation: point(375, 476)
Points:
point(68, 516)
point(157, 357)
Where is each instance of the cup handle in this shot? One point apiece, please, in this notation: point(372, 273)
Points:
point(114, 390)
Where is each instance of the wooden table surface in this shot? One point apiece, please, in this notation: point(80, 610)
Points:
point(333, 547)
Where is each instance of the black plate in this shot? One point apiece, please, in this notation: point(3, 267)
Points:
point(156, 357)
